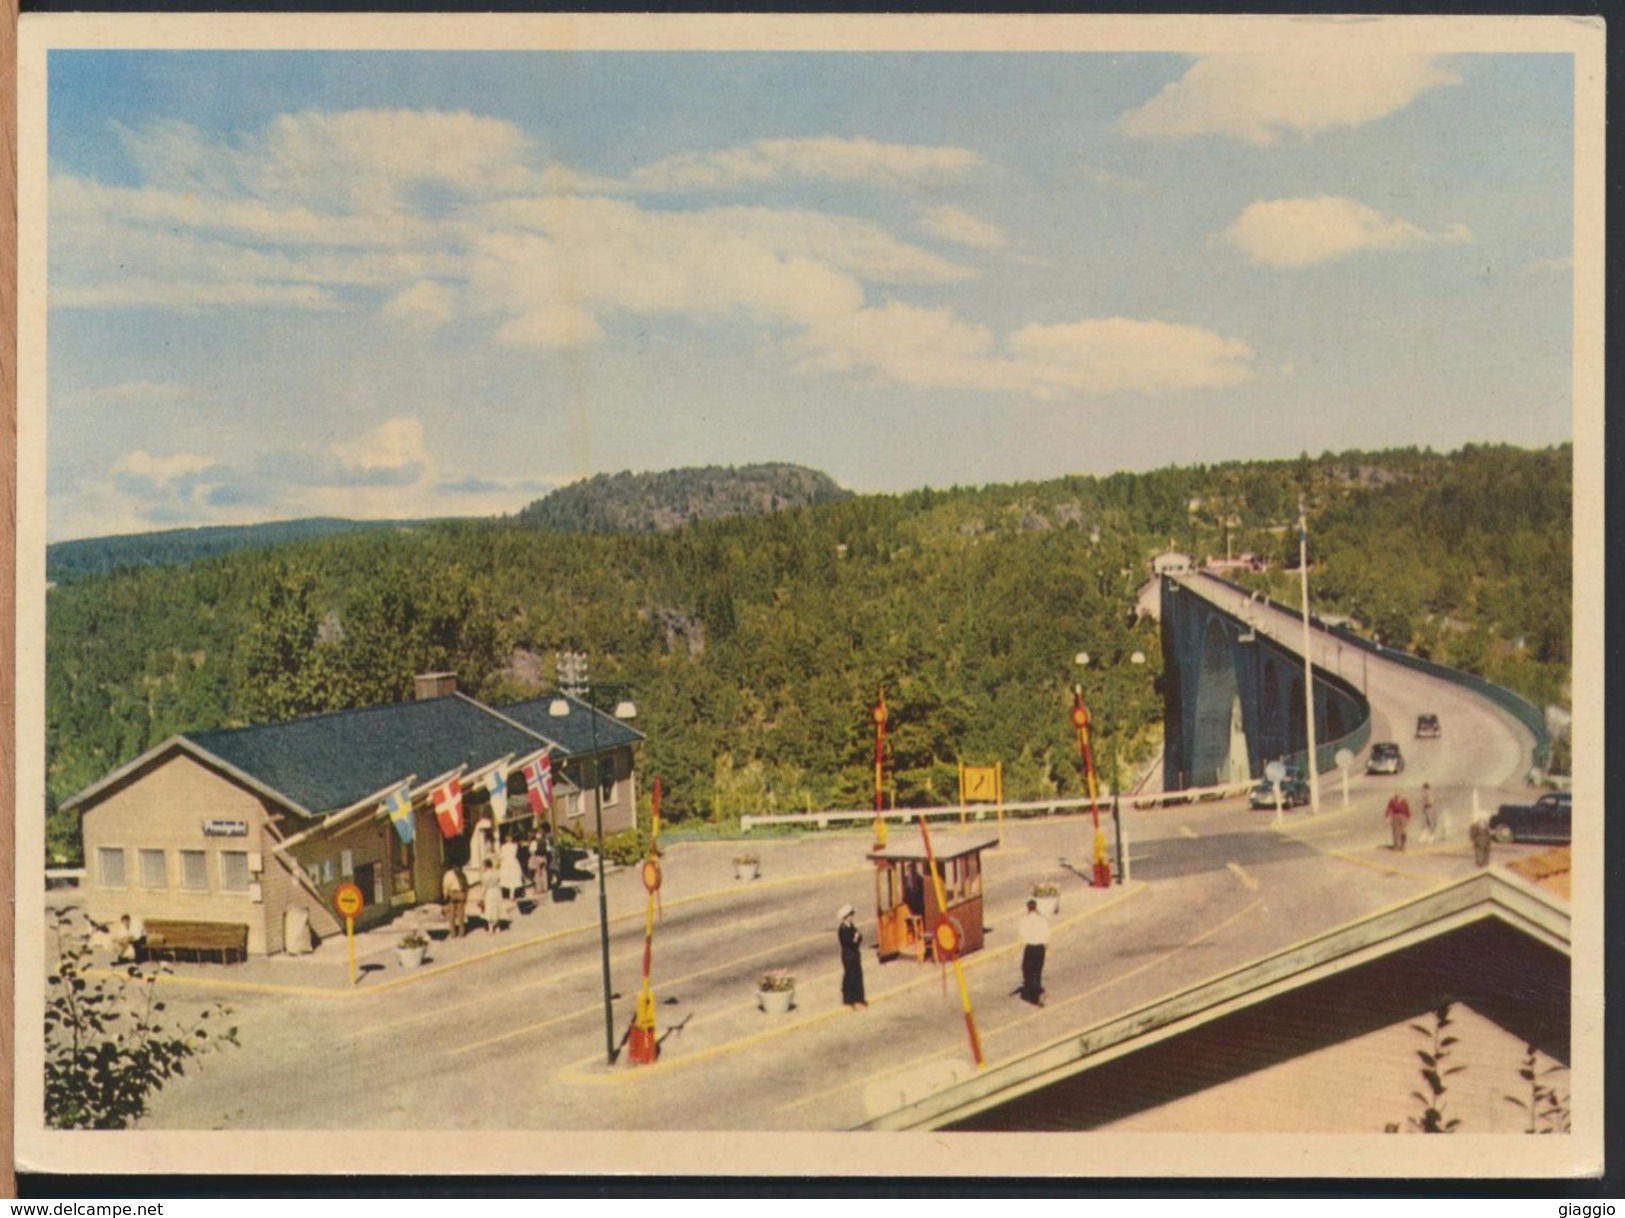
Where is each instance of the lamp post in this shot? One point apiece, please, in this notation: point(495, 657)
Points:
point(559, 708)
point(1082, 659)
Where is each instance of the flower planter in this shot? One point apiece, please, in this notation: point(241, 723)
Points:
point(775, 1002)
point(745, 871)
point(1048, 906)
point(410, 957)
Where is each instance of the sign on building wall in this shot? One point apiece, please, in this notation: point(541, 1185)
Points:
point(225, 828)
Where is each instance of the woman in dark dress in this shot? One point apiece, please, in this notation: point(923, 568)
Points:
point(851, 960)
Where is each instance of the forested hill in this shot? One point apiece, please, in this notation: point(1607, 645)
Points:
point(659, 502)
point(755, 643)
point(70, 560)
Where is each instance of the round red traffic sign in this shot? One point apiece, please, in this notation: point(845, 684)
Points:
point(347, 899)
point(949, 937)
point(651, 875)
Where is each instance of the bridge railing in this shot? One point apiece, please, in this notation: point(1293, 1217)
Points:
point(1519, 707)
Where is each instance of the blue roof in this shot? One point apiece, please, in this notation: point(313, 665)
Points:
point(572, 732)
point(327, 762)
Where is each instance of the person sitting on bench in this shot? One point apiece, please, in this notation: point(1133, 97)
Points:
point(130, 939)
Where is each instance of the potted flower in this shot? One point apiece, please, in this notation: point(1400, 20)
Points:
point(1048, 895)
point(409, 951)
point(746, 865)
point(776, 992)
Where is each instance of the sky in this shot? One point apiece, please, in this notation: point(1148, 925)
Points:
point(410, 284)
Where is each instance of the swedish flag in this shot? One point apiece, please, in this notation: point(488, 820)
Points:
point(399, 806)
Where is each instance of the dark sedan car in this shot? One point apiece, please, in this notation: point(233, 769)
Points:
point(1548, 819)
point(1427, 727)
point(1294, 791)
point(1385, 759)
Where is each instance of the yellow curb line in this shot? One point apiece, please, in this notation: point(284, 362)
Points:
point(1387, 867)
point(573, 1072)
point(1247, 881)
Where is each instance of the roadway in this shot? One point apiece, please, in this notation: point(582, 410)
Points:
point(507, 1031)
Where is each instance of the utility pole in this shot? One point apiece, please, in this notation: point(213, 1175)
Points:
point(1308, 664)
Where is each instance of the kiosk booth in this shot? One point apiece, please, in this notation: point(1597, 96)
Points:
point(906, 905)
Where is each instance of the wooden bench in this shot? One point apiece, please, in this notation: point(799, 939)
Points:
point(174, 940)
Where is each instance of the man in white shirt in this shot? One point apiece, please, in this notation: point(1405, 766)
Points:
point(1034, 931)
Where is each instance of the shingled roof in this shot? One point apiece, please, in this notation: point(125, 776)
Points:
point(326, 762)
point(573, 733)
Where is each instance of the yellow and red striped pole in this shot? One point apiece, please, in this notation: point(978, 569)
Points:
point(643, 1043)
point(879, 717)
point(946, 929)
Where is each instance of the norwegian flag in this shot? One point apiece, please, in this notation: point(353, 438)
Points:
point(448, 807)
point(539, 783)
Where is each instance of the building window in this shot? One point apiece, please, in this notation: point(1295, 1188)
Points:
point(154, 872)
point(234, 870)
point(194, 870)
point(110, 861)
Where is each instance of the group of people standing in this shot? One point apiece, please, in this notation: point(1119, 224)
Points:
point(496, 877)
point(1034, 931)
point(1398, 814)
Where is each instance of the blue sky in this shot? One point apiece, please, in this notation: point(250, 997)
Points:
point(407, 284)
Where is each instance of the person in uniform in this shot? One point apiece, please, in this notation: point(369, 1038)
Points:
point(851, 940)
point(1034, 932)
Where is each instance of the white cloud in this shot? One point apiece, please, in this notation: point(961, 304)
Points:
point(425, 305)
point(353, 160)
point(395, 444)
point(1118, 354)
point(959, 226)
point(1258, 97)
point(164, 471)
point(931, 348)
point(828, 157)
point(432, 219)
point(1302, 232)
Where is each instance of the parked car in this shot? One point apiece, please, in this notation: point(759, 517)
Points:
point(1427, 727)
point(1548, 819)
point(1385, 759)
point(1294, 791)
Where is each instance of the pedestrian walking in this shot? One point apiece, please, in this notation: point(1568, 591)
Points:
point(1398, 813)
point(493, 907)
point(524, 858)
point(509, 874)
point(1479, 832)
point(1034, 931)
point(539, 866)
point(1430, 819)
point(851, 940)
point(455, 897)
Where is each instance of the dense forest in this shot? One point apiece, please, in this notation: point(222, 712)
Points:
point(756, 643)
point(657, 503)
point(70, 560)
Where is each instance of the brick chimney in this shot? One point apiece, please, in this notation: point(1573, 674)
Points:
point(433, 685)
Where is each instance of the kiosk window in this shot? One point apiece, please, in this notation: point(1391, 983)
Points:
point(154, 872)
point(110, 859)
point(194, 870)
point(234, 870)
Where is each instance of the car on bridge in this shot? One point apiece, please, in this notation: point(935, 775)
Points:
point(1385, 759)
point(1548, 819)
point(1427, 727)
point(1294, 791)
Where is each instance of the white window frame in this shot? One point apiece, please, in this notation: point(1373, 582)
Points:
point(225, 881)
point(102, 853)
point(142, 855)
point(202, 857)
